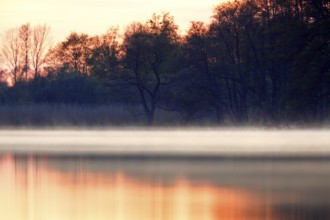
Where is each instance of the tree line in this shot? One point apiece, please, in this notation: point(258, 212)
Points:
point(265, 61)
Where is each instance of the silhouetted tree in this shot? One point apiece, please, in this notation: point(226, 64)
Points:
point(12, 53)
point(150, 57)
point(72, 54)
point(228, 34)
point(205, 78)
point(308, 92)
point(40, 45)
point(256, 61)
point(104, 58)
point(25, 38)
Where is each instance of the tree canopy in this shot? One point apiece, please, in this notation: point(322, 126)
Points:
point(256, 61)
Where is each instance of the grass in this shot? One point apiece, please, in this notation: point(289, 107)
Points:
point(69, 115)
point(65, 115)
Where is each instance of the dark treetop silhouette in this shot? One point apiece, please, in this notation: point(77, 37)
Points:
point(255, 62)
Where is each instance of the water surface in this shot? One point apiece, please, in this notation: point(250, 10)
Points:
point(85, 187)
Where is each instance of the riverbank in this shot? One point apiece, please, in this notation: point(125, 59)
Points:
point(121, 116)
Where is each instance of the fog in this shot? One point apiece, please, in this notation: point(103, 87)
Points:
point(169, 141)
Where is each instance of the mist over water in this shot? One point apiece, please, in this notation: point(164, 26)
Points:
point(165, 174)
point(171, 141)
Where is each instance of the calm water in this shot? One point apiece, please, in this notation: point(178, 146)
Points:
point(41, 187)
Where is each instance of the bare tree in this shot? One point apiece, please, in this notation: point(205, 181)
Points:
point(11, 53)
point(25, 37)
point(40, 44)
point(2, 69)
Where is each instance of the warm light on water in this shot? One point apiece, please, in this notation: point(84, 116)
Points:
point(93, 188)
point(30, 189)
point(164, 175)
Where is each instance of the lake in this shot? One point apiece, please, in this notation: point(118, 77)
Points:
point(165, 175)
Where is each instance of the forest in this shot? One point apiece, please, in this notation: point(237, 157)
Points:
point(257, 62)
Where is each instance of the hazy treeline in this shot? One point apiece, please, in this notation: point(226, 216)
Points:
point(262, 61)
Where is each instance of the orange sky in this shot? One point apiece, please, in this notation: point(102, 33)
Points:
point(95, 16)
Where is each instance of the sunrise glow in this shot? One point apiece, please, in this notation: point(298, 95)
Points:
point(95, 17)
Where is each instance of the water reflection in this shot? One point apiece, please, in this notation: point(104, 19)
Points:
point(91, 188)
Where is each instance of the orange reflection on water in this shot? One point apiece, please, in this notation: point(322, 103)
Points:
point(37, 192)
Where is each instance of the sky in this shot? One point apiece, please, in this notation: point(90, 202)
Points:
point(94, 17)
